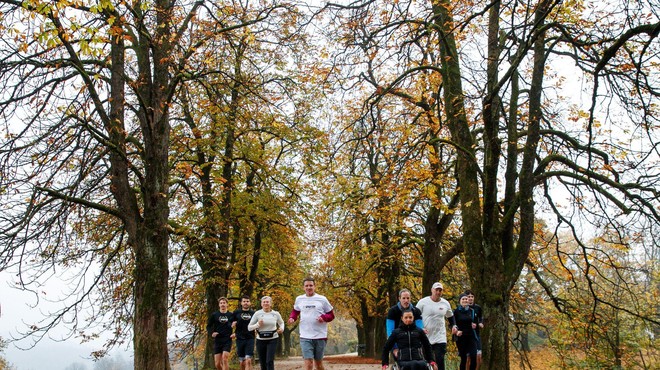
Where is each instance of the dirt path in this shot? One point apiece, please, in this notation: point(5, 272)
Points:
point(343, 362)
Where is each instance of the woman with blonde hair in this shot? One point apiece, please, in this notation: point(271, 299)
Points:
point(269, 325)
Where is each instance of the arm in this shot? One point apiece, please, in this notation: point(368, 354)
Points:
point(459, 331)
point(418, 318)
point(426, 345)
point(254, 323)
point(452, 320)
point(293, 316)
point(479, 313)
point(328, 316)
point(480, 317)
point(280, 323)
point(385, 356)
point(389, 325)
point(234, 319)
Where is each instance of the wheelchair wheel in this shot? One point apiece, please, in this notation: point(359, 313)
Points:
point(393, 364)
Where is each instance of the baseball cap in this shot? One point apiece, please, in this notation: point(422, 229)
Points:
point(437, 286)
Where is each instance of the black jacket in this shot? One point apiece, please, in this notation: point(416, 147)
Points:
point(412, 342)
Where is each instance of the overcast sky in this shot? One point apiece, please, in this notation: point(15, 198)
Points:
point(48, 354)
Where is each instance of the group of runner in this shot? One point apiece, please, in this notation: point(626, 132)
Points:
point(417, 335)
point(314, 311)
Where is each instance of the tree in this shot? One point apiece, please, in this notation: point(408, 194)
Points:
point(87, 91)
point(602, 318)
point(386, 182)
point(4, 364)
point(242, 123)
point(513, 145)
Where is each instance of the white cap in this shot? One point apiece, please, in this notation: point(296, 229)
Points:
point(436, 286)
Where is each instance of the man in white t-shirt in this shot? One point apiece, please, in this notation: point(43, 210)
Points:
point(315, 313)
point(434, 310)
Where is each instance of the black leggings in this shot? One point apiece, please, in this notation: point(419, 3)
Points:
point(473, 362)
point(467, 347)
point(266, 350)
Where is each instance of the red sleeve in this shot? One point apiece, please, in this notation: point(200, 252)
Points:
point(294, 314)
point(328, 316)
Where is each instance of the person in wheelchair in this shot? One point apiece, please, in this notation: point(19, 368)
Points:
point(413, 344)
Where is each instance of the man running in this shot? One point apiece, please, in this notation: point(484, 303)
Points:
point(396, 312)
point(315, 312)
point(435, 310)
point(219, 328)
point(244, 337)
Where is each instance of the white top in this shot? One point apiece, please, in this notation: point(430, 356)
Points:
point(310, 309)
point(272, 321)
point(433, 317)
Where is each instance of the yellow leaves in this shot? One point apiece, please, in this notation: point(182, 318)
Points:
point(104, 5)
point(577, 115)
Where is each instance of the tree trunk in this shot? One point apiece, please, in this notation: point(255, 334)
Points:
point(495, 334)
point(380, 335)
point(369, 336)
point(151, 291)
point(147, 231)
point(287, 339)
point(151, 261)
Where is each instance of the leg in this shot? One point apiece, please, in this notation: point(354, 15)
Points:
point(463, 365)
point(262, 350)
point(478, 351)
point(473, 361)
point(246, 364)
point(463, 353)
point(217, 360)
point(413, 365)
point(307, 348)
point(225, 360)
point(270, 356)
point(240, 353)
point(439, 351)
point(249, 353)
point(319, 351)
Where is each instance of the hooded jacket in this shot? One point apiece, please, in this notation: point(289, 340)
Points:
point(412, 342)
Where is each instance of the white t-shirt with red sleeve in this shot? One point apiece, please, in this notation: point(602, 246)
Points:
point(310, 309)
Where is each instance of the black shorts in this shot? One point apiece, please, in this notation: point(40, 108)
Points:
point(245, 348)
point(221, 344)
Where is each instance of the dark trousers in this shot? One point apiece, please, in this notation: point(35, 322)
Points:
point(473, 361)
point(467, 347)
point(413, 365)
point(266, 350)
point(439, 351)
